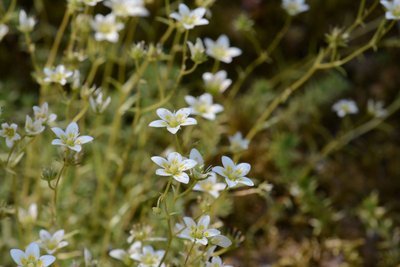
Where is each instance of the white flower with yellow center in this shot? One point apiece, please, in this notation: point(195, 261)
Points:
point(234, 174)
point(190, 18)
point(52, 242)
point(217, 82)
point(392, 9)
point(148, 257)
point(238, 143)
point(9, 132)
point(173, 120)
point(294, 7)
point(31, 257)
point(26, 23)
point(199, 232)
point(57, 75)
point(216, 262)
point(203, 106)
point(70, 138)
point(42, 113)
point(210, 185)
point(33, 127)
point(197, 51)
point(174, 165)
point(221, 50)
point(344, 107)
point(106, 28)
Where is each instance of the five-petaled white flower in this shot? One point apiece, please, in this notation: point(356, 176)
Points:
point(392, 9)
point(106, 28)
point(294, 7)
point(70, 138)
point(149, 257)
point(9, 132)
point(197, 51)
point(344, 107)
point(210, 185)
point(26, 24)
point(173, 120)
point(33, 127)
point(221, 50)
point(31, 257)
point(216, 83)
point(203, 106)
point(216, 262)
point(174, 165)
point(196, 232)
point(42, 113)
point(234, 174)
point(3, 31)
point(190, 18)
point(57, 75)
point(126, 8)
point(238, 143)
point(52, 242)
point(376, 108)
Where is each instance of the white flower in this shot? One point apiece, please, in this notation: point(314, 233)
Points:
point(125, 256)
point(216, 83)
point(216, 262)
point(33, 127)
point(70, 138)
point(148, 257)
point(203, 106)
point(221, 50)
point(344, 107)
point(174, 165)
point(210, 185)
point(97, 102)
point(234, 174)
point(294, 7)
point(197, 51)
point(28, 216)
point(57, 75)
point(196, 156)
point(52, 243)
point(238, 143)
point(42, 113)
point(106, 28)
point(125, 8)
point(190, 18)
point(376, 108)
point(196, 232)
point(3, 31)
point(26, 24)
point(9, 132)
point(173, 120)
point(90, 2)
point(392, 9)
point(31, 257)
point(221, 240)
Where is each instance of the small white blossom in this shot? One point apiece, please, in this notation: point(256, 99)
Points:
point(26, 24)
point(173, 120)
point(57, 75)
point(52, 242)
point(190, 18)
point(42, 113)
point(344, 107)
point(33, 127)
point(196, 156)
point(203, 106)
point(125, 255)
point(376, 108)
point(294, 7)
point(148, 257)
point(216, 262)
point(210, 185)
point(9, 132)
point(97, 101)
point(197, 51)
point(90, 2)
point(392, 9)
point(126, 8)
point(174, 165)
point(221, 240)
point(221, 50)
point(28, 216)
point(3, 31)
point(234, 174)
point(199, 232)
point(31, 257)
point(238, 143)
point(216, 83)
point(70, 138)
point(106, 28)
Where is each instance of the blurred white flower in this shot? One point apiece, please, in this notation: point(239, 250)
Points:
point(216, 262)
point(216, 83)
point(376, 108)
point(173, 120)
point(26, 23)
point(33, 127)
point(57, 75)
point(31, 257)
point(106, 28)
point(199, 232)
point(97, 101)
point(70, 138)
point(221, 240)
point(238, 143)
point(344, 107)
point(174, 165)
point(294, 7)
point(392, 9)
point(221, 50)
point(203, 106)
point(9, 132)
point(3, 31)
point(90, 2)
point(125, 8)
point(42, 113)
point(234, 174)
point(197, 51)
point(28, 216)
point(52, 242)
point(190, 18)
point(210, 185)
point(148, 257)
point(125, 255)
